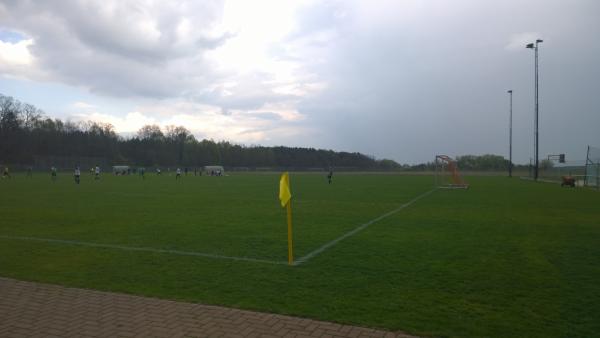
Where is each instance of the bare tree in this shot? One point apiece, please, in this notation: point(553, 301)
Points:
point(31, 115)
point(10, 111)
point(150, 132)
point(177, 133)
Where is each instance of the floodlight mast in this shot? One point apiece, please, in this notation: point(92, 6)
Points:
point(536, 104)
point(510, 162)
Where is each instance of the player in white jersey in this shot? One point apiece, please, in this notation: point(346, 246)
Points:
point(97, 173)
point(77, 175)
point(178, 174)
point(5, 174)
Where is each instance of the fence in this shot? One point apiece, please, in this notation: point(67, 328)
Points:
point(592, 167)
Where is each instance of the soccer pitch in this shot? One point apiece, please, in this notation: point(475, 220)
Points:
point(503, 258)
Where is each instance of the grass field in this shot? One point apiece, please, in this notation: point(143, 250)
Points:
point(506, 258)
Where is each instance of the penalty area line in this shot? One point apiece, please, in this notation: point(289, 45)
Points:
point(361, 227)
point(142, 249)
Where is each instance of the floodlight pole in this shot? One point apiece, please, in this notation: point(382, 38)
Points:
point(510, 162)
point(536, 100)
point(585, 173)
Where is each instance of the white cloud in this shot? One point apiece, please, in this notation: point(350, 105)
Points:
point(224, 54)
point(237, 125)
point(130, 123)
point(204, 121)
point(16, 53)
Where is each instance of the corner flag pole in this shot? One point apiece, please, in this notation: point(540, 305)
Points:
point(285, 196)
point(289, 222)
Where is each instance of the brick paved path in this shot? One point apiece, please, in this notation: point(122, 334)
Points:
point(41, 310)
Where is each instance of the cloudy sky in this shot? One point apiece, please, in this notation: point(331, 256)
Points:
point(402, 79)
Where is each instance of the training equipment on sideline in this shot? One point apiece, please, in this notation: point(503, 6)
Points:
point(447, 175)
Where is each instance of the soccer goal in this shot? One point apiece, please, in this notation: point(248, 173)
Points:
point(447, 175)
point(592, 168)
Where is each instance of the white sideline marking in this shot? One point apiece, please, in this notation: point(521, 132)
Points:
point(132, 248)
point(361, 227)
point(299, 261)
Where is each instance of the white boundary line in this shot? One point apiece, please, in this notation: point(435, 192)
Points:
point(132, 248)
point(361, 227)
point(299, 261)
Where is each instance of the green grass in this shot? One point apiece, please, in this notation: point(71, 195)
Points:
point(506, 258)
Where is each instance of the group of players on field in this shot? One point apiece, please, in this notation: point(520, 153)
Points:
point(77, 173)
point(96, 172)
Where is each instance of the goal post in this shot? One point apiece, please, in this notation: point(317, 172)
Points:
point(447, 175)
point(592, 167)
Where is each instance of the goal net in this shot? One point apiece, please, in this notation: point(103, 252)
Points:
point(592, 167)
point(446, 173)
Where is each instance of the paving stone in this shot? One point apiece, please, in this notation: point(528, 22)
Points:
point(41, 310)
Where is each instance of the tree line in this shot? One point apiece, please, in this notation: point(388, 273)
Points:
point(26, 133)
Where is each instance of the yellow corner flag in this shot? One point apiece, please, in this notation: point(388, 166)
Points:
point(285, 196)
point(284, 189)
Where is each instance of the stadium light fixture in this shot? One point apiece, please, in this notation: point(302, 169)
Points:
point(536, 138)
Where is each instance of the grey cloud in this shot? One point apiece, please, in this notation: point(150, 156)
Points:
point(89, 44)
point(438, 85)
point(112, 28)
point(226, 112)
point(259, 115)
point(265, 115)
point(96, 45)
point(426, 77)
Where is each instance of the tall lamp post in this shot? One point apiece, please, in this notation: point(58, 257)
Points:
point(510, 162)
point(534, 46)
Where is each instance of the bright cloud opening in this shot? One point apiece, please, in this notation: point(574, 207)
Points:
point(16, 53)
point(128, 124)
